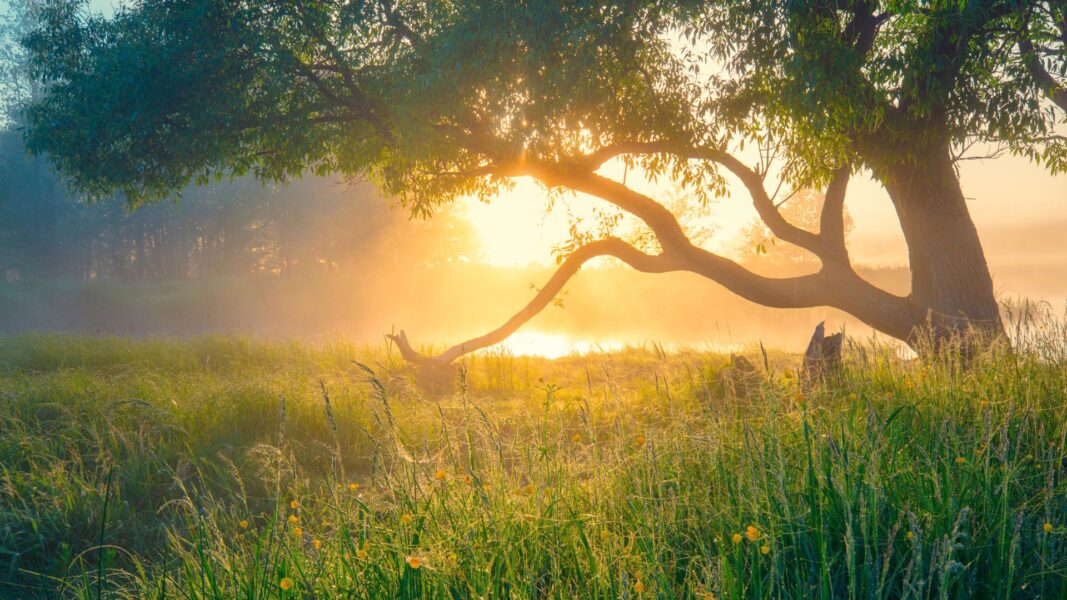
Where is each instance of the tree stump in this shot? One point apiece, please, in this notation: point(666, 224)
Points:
point(435, 376)
point(741, 379)
point(822, 359)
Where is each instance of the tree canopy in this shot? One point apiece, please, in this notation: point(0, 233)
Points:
point(423, 96)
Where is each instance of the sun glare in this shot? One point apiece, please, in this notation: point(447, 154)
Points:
point(517, 228)
point(553, 345)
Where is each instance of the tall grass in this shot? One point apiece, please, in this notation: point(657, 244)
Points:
point(260, 470)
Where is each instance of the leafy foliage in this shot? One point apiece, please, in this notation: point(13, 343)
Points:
point(424, 96)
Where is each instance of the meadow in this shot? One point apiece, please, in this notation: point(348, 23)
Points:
point(223, 467)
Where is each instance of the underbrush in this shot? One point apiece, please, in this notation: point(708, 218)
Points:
point(225, 467)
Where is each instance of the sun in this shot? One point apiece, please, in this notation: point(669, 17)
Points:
point(521, 227)
point(516, 228)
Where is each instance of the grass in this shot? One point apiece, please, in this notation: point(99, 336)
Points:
point(231, 468)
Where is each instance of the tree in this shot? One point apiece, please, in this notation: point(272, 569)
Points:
point(802, 208)
point(437, 100)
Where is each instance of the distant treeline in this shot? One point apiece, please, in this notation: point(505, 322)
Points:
point(227, 229)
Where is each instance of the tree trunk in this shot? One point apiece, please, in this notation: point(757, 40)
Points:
point(950, 279)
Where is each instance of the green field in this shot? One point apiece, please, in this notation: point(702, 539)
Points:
point(230, 468)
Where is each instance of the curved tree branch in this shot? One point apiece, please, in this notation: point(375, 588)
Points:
point(836, 284)
point(568, 268)
point(753, 182)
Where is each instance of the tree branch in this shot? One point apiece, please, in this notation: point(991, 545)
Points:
point(752, 181)
point(832, 219)
point(1048, 84)
point(792, 292)
point(568, 268)
point(835, 285)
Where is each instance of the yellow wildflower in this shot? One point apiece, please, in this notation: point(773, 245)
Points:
point(638, 587)
point(961, 460)
point(298, 532)
point(353, 487)
point(440, 475)
point(752, 533)
point(910, 535)
point(407, 518)
point(604, 535)
point(294, 505)
point(765, 549)
point(361, 553)
point(316, 544)
point(294, 519)
point(285, 583)
point(244, 523)
point(736, 538)
point(640, 440)
point(576, 438)
point(467, 479)
point(1047, 527)
point(414, 562)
